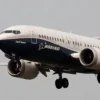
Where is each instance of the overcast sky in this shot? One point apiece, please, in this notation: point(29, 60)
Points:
point(78, 16)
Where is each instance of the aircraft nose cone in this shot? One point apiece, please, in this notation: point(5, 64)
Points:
point(3, 36)
point(3, 40)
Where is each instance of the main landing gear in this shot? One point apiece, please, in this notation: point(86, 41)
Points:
point(61, 82)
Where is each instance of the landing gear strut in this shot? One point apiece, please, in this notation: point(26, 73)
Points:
point(61, 82)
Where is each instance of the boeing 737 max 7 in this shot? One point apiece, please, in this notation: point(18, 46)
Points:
point(33, 49)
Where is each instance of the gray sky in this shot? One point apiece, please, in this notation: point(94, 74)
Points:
point(77, 16)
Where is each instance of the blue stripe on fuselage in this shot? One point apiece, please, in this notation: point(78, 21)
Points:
point(39, 50)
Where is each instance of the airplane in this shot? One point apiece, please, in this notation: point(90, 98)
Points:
point(32, 50)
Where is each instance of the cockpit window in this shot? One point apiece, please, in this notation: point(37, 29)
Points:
point(16, 32)
point(8, 31)
point(11, 31)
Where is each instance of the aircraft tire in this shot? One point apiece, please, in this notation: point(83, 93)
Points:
point(58, 83)
point(65, 82)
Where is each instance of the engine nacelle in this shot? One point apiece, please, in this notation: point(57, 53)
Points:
point(90, 58)
point(23, 69)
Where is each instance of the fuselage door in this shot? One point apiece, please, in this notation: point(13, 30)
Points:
point(34, 38)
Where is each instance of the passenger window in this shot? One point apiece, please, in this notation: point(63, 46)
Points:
point(80, 44)
point(75, 43)
point(44, 36)
point(47, 37)
point(40, 36)
point(52, 38)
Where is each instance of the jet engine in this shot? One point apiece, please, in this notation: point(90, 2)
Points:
point(23, 69)
point(90, 58)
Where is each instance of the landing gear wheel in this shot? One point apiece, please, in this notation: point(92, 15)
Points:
point(61, 82)
point(65, 83)
point(98, 78)
point(58, 83)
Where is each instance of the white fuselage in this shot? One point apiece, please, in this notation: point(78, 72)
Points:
point(45, 44)
point(63, 39)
